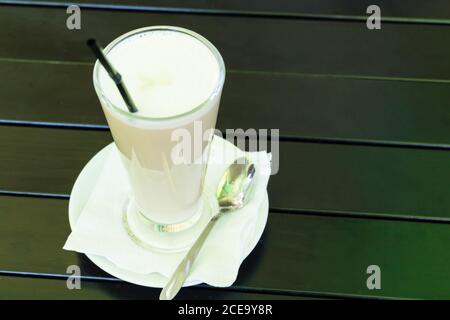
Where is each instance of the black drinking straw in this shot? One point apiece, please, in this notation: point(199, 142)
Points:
point(117, 78)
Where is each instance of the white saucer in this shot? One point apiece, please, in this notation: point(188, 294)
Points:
point(79, 196)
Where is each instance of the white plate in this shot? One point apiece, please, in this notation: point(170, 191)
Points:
point(79, 196)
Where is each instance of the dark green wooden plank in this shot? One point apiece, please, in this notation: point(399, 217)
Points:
point(14, 287)
point(297, 253)
point(439, 9)
point(374, 180)
point(304, 106)
point(23, 157)
point(257, 44)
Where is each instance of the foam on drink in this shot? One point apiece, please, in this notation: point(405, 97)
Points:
point(167, 73)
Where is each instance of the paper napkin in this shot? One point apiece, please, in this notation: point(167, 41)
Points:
point(99, 229)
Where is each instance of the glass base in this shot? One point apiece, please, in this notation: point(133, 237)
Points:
point(158, 237)
point(173, 227)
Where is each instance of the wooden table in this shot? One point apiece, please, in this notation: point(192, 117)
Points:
point(364, 121)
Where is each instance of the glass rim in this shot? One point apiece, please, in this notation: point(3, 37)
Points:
point(206, 42)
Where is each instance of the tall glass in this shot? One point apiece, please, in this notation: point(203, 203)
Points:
point(166, 193)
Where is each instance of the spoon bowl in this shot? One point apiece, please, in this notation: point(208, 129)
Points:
point(235, 184)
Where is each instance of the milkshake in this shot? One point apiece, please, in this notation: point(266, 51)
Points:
point(175, 78)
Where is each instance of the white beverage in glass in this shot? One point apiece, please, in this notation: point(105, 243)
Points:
point(175, 77)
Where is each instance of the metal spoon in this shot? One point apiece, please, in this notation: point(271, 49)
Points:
point(231, 195)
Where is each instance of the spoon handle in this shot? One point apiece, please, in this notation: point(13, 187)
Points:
point(181, 273)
